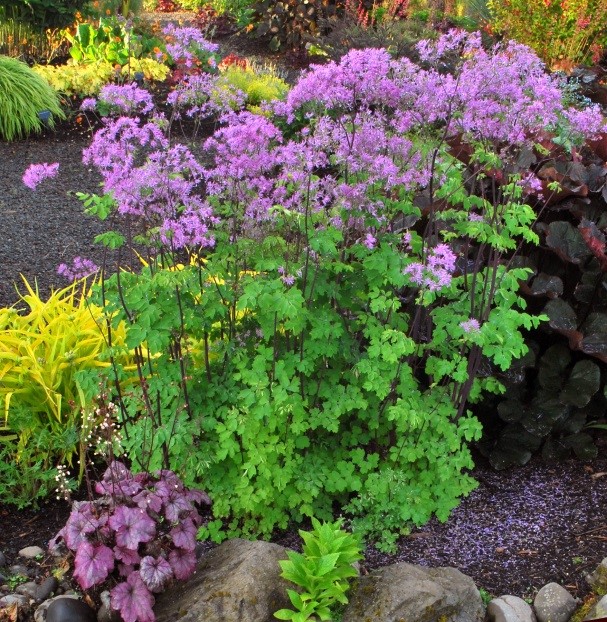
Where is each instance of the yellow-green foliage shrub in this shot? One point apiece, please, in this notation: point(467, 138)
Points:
point(258, 85)
point(23, 94)
point(41, 352)
point(88, 79)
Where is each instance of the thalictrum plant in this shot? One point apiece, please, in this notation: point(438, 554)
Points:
point(349, 278)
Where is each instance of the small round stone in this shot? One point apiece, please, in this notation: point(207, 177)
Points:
point(14, 599)
point(31, 552)
point(69, 610)
point(27, 589)
point(45, 589)
point(554, 603)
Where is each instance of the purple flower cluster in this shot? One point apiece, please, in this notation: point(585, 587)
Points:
point(37, 173)
point(360, 146)
point(152, 181)
point(127, 99)
point(198, 96)
point(436, 272)
point(500, 95)
point(79, 269)
point(470, 326)
point(187, 45)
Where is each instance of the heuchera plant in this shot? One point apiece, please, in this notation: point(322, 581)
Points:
point(140, 534)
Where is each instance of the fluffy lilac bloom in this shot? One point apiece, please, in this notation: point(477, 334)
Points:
point(37, 173)
point(126, 99)
point(437, 271)
point(470, 326)
point(189, 229)
point(243, 148)
point(441, 257)
point(166, 180)
point(245, 157)
point(288, 279)
point(198, 96)
point(360, 76)
point(370, 241)
point(458, 41)
point(531, 184)
point(473, 217)
point(80, 268)
point(115, 148)
point(588, 122)
point(187, 44)
point(89, 104)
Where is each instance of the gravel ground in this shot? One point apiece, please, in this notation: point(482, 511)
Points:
point(45, 227)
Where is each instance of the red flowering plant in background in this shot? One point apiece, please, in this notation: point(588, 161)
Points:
point(137, 536)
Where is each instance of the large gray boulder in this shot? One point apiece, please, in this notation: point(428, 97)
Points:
point(407, 593)
point(239, 581)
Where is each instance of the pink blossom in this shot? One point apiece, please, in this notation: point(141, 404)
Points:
point(370, 241)
point(470, 326)
point(36, 173)
point(79, 269)
point(437, 271)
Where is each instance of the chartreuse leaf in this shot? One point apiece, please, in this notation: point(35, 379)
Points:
point(321, 571)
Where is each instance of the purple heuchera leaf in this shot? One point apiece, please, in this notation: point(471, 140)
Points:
point(133, 599)
point(124, 570)
point(184, 535)
point(177, 507)
point(183, 563)
point(132, 526)
point(92, 564)
point(155, 572)
point(118, 480)
point(198, 496)
point(148, 499)
point(126, 556)
point(81, 522)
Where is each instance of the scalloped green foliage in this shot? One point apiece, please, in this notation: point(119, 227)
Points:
point(23, 94)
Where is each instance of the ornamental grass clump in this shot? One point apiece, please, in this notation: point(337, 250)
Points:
point(42, 351)
point(23, 94)
point(353, 280)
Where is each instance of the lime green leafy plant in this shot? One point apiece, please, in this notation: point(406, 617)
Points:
point(322, 571)
point(259, 85)
point(23, 94)
point(88, 79)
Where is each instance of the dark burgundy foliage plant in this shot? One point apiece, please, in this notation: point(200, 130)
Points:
point(558, 395)
point(166, 6)
point(138, 536)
